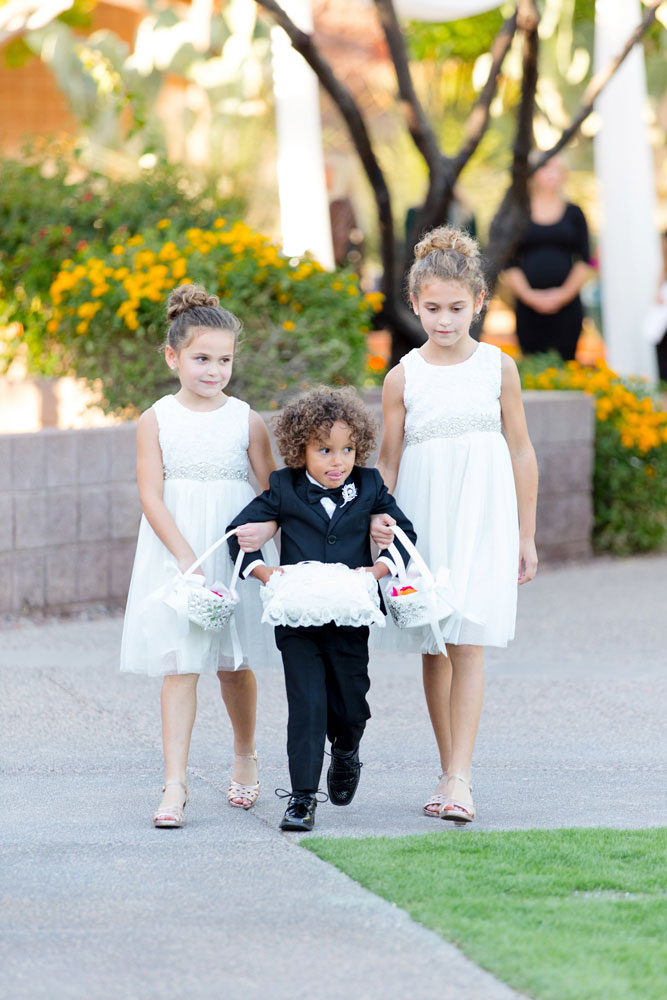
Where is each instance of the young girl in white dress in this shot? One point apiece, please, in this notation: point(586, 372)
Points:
point(194, 449)
point(458, 480)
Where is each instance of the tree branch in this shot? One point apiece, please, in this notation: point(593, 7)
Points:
point(511, 218)
point(441, 190)
point(479, 116)
point(344, 101)
point(595, 87)
point(440, 174)
point(417, 122)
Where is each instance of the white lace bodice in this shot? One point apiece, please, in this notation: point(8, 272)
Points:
point(203, 446)
point(443, 401)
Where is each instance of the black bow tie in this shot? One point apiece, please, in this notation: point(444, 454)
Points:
point(315, 493)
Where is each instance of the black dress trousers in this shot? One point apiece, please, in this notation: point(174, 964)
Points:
point(326, 680)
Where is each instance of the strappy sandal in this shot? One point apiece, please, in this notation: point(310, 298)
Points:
point(458, 811)
point(248, 794)
point(437, 801)
point(171, 816)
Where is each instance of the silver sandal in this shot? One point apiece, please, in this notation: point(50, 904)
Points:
point(247, 793)
point(458, 811)
point(438, 800)
point(171, 816)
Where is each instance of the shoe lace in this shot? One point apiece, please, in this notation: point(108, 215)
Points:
point(340, 757)
point(300, 798)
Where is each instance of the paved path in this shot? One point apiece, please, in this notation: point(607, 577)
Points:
point(96, 904)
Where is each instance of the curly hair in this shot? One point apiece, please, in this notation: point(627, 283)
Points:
point(190, 306)
point(451, 255)
point(313, 415)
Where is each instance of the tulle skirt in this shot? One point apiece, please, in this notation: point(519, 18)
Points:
point(152, 642)
point(459, 494)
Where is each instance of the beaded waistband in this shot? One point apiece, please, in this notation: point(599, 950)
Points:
point(453, 426)
point(204, 472)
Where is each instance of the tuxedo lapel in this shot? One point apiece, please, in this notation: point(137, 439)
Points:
point(301, 490)
point(344, 508)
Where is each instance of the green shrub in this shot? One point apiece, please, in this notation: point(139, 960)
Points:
point(301, 324)
point(630, 478)
point(45, 220)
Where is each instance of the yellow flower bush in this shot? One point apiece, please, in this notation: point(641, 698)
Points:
point(630, 481)
point(302, 324)
point(640, 420)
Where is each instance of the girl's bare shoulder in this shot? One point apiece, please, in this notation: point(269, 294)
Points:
point(147, 424)
point(394, 381)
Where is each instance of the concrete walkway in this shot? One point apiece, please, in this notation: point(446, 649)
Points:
point(97, 904)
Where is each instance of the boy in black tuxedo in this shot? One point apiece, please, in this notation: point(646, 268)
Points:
point(323, 502)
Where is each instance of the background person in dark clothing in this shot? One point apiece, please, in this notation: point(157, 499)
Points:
point(550, 267)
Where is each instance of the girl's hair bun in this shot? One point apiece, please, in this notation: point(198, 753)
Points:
point(451, 255)
point(447, 238)
point(188, 297)
point(190, 307)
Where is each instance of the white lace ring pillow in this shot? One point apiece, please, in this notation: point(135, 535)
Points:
point(315, 593)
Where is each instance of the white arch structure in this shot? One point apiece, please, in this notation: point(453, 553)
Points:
point(628, 240)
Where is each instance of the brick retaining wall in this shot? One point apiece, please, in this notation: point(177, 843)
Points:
point(69, 508)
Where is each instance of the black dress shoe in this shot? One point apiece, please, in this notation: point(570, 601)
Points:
point(343, 776)
point(300, 812)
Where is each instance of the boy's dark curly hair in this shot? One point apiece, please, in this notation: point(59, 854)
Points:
point(316, 413)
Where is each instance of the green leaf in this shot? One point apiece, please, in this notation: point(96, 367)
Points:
point(17, 54)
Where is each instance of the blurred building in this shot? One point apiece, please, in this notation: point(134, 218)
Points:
point(31, 103)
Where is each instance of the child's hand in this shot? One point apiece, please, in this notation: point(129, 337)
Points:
point(264, 573)
point(527, 560)
point(185, 562)
point(379, 570)
point(252, 536)
point(380, 532)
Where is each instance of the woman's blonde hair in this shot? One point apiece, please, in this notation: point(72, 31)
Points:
point(451, 255)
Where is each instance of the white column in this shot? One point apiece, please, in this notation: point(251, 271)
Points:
point(629, 239)
point(304, 206)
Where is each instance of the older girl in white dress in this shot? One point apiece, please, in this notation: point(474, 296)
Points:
point(458, 479)
point(194, 450)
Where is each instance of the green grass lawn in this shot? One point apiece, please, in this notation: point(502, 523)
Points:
point(558, 914)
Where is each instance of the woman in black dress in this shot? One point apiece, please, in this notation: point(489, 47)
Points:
point(550, 267)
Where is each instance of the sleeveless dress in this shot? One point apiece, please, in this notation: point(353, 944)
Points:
point(456, 485)
point(205, 459)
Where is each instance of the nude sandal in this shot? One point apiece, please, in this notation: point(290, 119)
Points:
point(171, 816)
point(438, 800)
point(248, 794)
point(458, 811)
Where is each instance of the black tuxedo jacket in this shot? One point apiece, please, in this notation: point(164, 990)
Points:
point(307, 532)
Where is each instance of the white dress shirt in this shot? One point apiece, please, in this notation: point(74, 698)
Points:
point(329, 506)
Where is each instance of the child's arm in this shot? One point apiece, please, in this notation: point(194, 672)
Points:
point(260, 455)
point(150, 479)
point(393, 429)
point(386, 506)
point(524, 465)
point(252, 536)
point(264, 508)
point(393, 426)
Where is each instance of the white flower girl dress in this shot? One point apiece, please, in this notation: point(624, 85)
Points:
point(205, 459)
point(456, 485)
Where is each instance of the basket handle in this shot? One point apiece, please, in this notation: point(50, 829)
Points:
point(412, 552)
point(210, 550)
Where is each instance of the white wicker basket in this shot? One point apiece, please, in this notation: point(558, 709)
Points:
point(433, 600)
